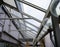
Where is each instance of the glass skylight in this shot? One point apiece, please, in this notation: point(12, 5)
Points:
point(41, 3)
point(32, 27)
point(34, 12)
point(34, 22)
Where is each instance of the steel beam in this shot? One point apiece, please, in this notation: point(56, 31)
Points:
point(14, 18)
point(32, 5)
point(27, 39)
point(22, 12)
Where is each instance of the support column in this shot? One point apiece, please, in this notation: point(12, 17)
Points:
point(55, 24)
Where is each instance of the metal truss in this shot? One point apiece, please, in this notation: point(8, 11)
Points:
point(26, 21)
point(47, 15)
point(22, 12)
point(9, 15)
point(14, 18)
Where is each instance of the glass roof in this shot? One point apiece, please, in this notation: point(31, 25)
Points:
point(41, 3)
point(34, 12)
point(34, 22)
point(31, 26)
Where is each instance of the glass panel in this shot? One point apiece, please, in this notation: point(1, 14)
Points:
point(31, 30)
point(13, 12)
point(11, 2)
point(41, 3)
point(16, 13)
point(28, 28)
point(34, 22)
point(34, 32)
point(30, 34)
point(34, 12)
point(32, 27)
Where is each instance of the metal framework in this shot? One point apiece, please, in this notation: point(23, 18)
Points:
point(32, 5)
point(22, 12)
point(19, 27)
point(13, 18)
